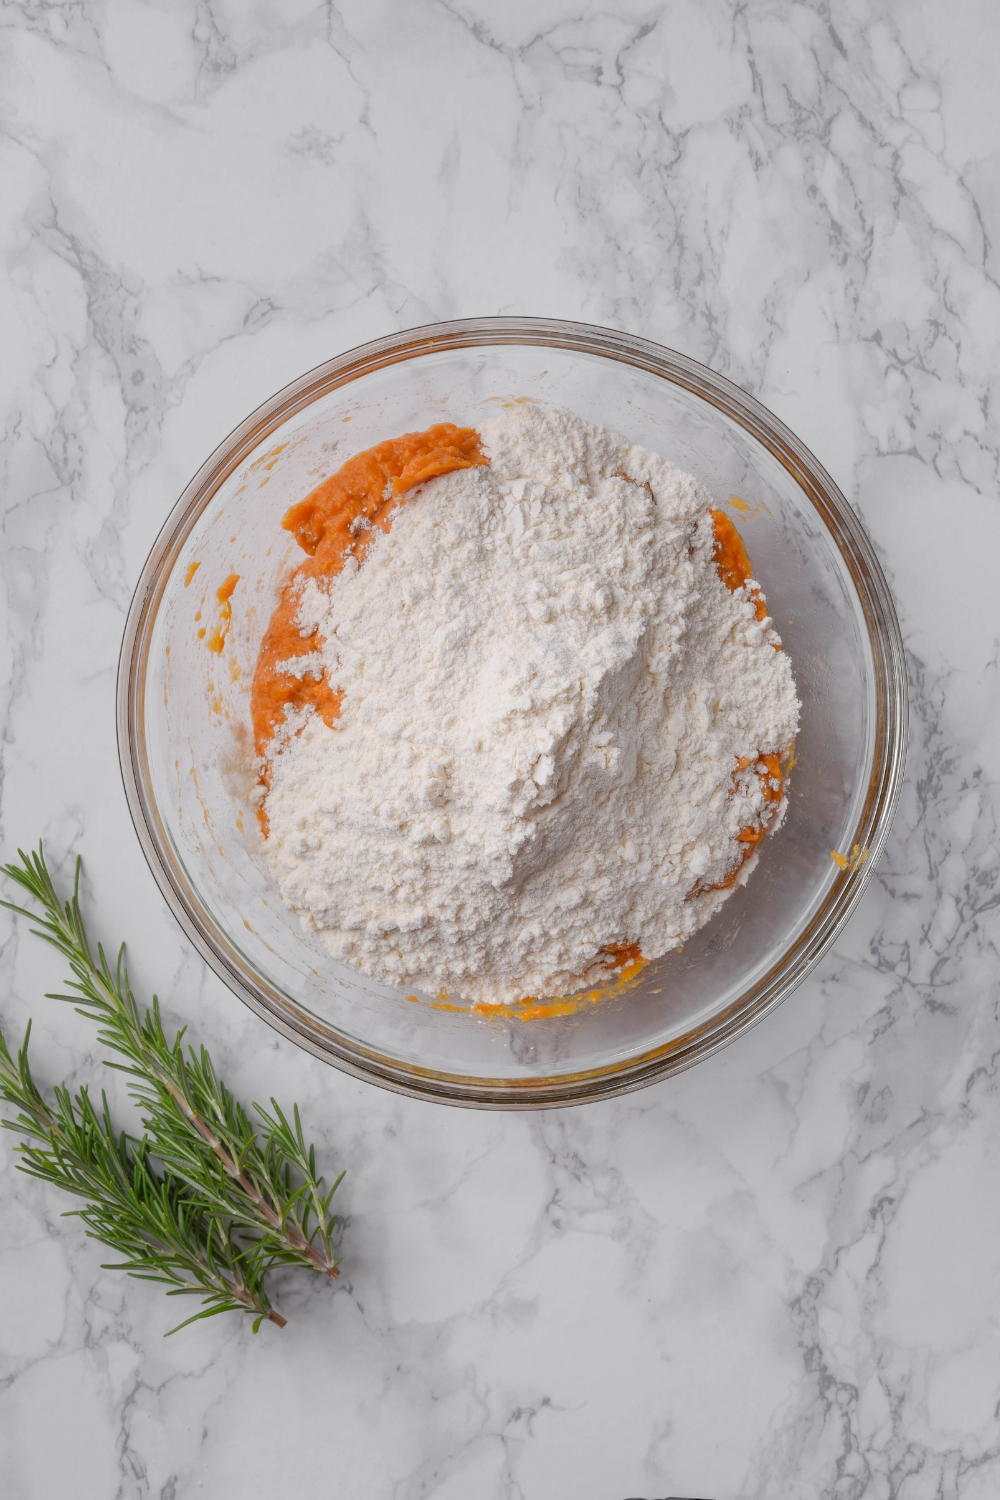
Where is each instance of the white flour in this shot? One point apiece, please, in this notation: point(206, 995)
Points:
point(547, 688)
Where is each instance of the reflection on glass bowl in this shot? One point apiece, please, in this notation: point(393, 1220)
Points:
point(185, 745)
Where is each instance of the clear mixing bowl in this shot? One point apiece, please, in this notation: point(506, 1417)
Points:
point(183, 711)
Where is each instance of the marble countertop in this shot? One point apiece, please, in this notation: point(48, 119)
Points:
point(778, 1274)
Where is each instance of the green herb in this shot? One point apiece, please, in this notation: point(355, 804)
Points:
point(206, 1200)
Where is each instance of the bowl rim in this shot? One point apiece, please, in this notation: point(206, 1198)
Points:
point(873, 821)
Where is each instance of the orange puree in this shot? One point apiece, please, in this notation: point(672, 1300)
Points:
point(332, 523)
point(732, 561)
point(621, 959)
point(620, 955)
point(734, 569)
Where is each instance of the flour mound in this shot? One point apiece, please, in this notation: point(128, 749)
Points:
point(547, 692)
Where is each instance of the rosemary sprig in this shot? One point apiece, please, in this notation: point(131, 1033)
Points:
point(148, 1217)
point(233, 1199)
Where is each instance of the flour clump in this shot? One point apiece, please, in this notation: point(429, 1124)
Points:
point(559, 731)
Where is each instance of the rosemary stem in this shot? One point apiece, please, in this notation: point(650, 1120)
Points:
point(291, 1233)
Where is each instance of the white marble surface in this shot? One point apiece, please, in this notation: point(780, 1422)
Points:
point(778, 1275)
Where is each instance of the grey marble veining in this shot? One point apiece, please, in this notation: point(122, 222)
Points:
point(779, 1274)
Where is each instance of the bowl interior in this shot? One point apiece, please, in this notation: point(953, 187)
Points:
point(188, 727)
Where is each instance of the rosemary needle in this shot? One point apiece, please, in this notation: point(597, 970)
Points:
point(207, 1200)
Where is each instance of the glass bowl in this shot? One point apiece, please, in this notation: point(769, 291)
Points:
point(183, 712)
